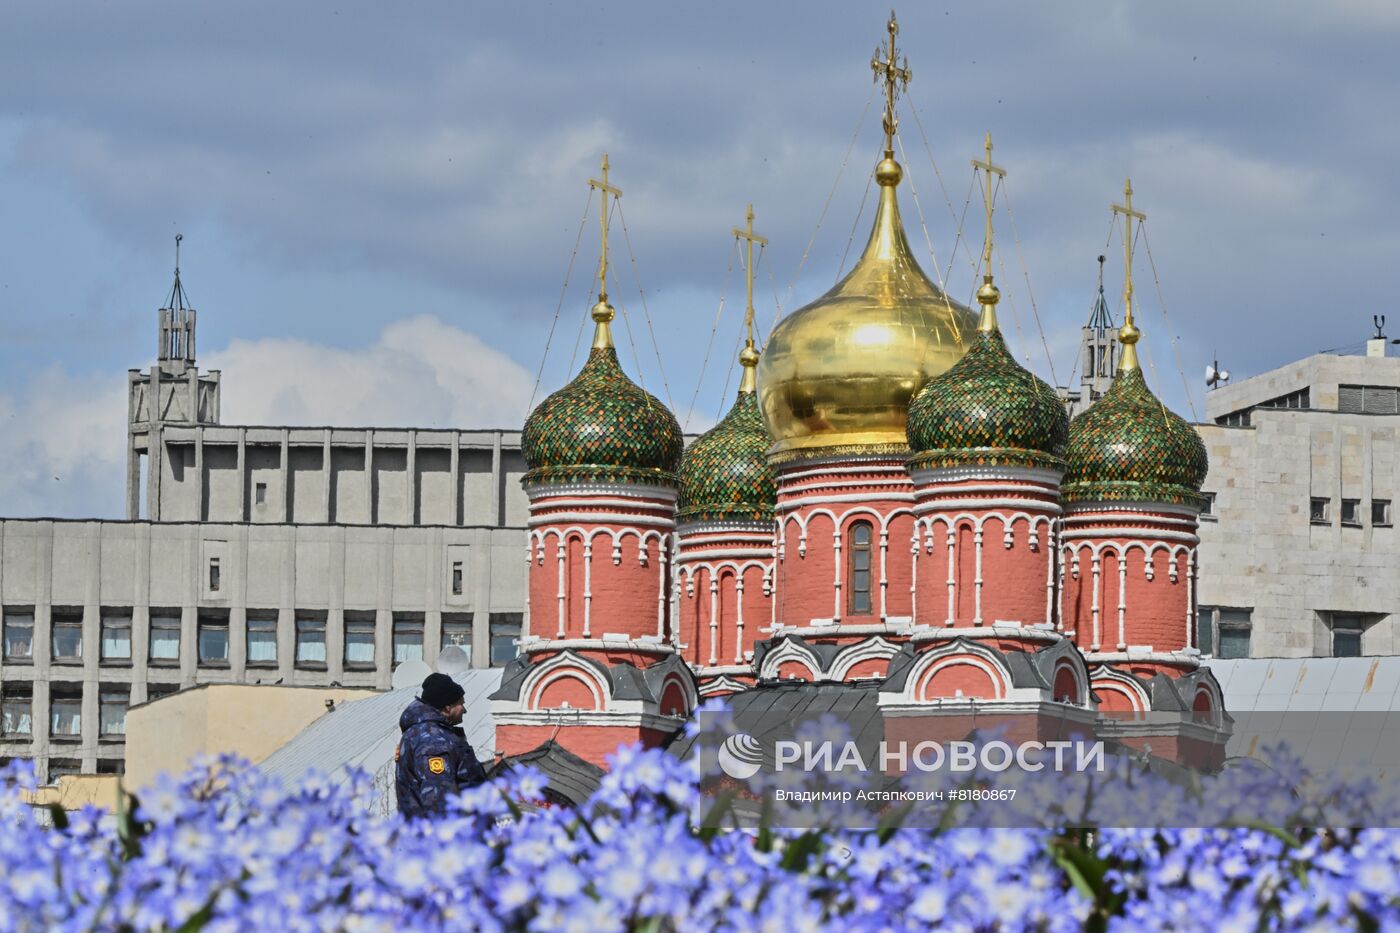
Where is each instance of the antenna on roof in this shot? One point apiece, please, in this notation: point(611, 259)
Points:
point(1215, 376)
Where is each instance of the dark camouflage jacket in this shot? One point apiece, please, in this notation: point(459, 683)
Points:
point(433, 760)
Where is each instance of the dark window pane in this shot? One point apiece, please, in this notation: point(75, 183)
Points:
point(1205, 630)
point(67, 639)
point(505, 629)
point(19, 635)
point(213, 643)
point(1234, 642)
point(1346, 644)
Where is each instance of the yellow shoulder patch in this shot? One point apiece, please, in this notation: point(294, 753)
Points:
point(437, 765)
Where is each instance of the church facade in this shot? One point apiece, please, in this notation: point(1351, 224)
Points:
point(892, 499)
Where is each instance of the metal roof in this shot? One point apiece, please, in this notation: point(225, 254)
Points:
point(363, 734)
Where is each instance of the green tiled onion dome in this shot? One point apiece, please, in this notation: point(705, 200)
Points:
point(725, 474)
point(601, 427)
point(987, 410)
point(1129, 447)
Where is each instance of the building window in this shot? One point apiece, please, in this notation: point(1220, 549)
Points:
point(156, 691)
point(111, 766)
point(260, 494)
point(457, 630)
point(67, 635)
point(63, 767)
point(858, 598)
point(116, 635)
point(215, 576)
point(66, 711)
point(505, 629)
point(1346, 634)
point(456, 578)
point(262, 640)
point(1208, 510)
point(408, 637)
point(359, 640)
point(1380, 513)
point(17, 710)
point(19, 634)
point(1368, 400)
point(111, 711)
point(1351, 512)
point(165, 637)
point(1320, 510)
point(213, 641)
point(1235, 419)
point(1300, 399)
point(311, 641)
point(1223, 632)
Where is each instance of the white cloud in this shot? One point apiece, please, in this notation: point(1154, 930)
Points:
point(64, 449)
point(420, 372)
point(63, 454)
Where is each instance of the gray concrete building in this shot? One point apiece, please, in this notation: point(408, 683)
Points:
point(252, 554)
point(1299, 554)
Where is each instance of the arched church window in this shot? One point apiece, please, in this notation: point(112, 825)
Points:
point(860, 533)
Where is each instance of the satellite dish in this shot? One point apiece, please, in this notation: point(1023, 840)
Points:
point(1215, 376)
point(1210, 375)
point(410, 674)
point(453, 660)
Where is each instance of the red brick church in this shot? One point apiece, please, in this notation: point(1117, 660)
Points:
point(892, 500)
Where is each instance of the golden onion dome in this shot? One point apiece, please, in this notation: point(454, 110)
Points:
point(838, 374)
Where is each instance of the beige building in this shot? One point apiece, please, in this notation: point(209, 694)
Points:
point(1299, 556)
point(278, 555)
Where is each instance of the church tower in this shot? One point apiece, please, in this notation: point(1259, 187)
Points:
point(834, 386)
point(1098, 355)
point(988, 441)
point(597, 654)
point(174, 393)
point(724, 538)
point(1132, 503)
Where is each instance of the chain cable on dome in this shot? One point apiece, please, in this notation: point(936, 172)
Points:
point(710, 344)
point(734, 354)
point(1171, 332)
point(855, 225)
point(919, 210)
point(1025, 272)
point(568, 271)
point(646, 312)
point(948, 201)
point(860, 124)
point(631, 340)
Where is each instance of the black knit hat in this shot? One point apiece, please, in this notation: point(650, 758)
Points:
point(441, 691)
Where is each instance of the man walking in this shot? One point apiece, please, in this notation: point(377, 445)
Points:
point(433, 759)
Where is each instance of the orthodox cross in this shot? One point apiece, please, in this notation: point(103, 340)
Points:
point(993, 172)
point(1129, 215)
point(751, 238)
point(616, 192)
point(895, 76)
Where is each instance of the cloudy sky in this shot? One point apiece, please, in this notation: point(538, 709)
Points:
point(379, 207)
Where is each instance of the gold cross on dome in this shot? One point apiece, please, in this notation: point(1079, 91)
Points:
point(751, 238)
point(616, 192)
point(895, 76)
point(993, 171)
point(1129, 215)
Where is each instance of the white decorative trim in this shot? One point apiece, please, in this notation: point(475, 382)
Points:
point(870, 649)
point(1144, 655)
point(1077, 509)
point(721, 684)
point(839, 465)
point(605, 518)
point(507, 713)
point(1006, 630)
point(626, 491)
point(943, 505)
point(649, 645)
point(786, 652)
point(697, 554)
point(730, 528)
point(959, 474)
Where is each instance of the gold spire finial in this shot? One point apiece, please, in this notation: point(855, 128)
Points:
point(602, 311)
point(895, 77)
point(1128, 335)
point(988, 295)
point(748, 357)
